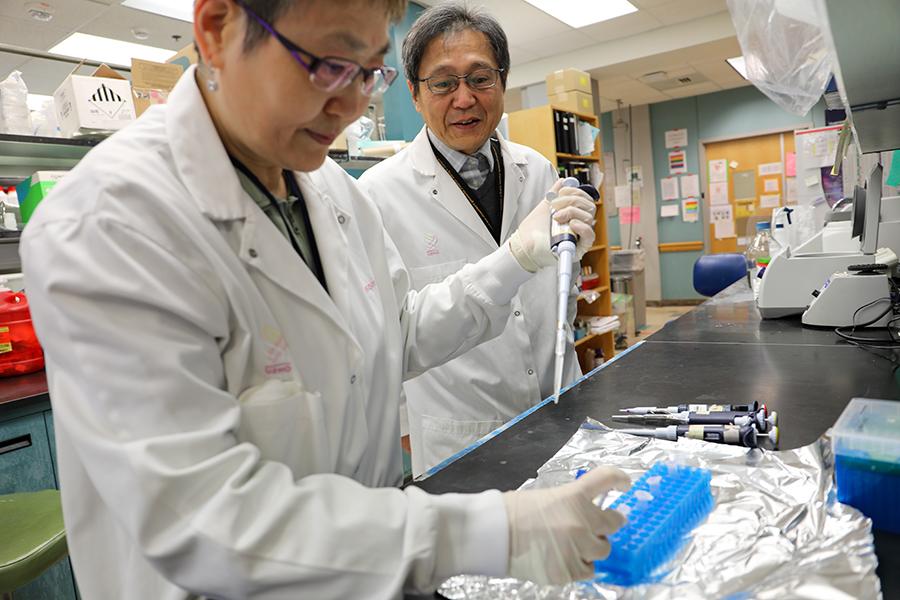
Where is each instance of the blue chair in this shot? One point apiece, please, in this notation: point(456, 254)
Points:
point(715, 272)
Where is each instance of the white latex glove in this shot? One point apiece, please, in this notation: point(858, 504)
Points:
point(556, 534)
point(530, 243)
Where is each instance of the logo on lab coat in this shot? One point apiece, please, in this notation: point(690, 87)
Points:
point(431, 242)
point(276, 351)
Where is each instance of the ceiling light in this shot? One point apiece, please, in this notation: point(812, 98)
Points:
point(108, 50)
point(176, 9)
point(39, 11)
point(737, 63)
point(578, 13)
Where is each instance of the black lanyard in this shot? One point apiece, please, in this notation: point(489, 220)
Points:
point(467, 191)
point(293, 190)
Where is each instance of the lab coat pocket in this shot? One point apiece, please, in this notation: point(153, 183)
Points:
point(442, 437)
point(422, 276)
point(287, 423)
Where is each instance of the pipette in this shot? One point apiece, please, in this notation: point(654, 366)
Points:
point(562, 241)
point(643, 410)
point(722, 434)
point(759, 419)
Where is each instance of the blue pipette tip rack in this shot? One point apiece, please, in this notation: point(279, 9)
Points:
point(662, 507)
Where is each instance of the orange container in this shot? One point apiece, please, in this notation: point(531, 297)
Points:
point(20, 351)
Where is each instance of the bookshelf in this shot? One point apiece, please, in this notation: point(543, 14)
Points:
point(534, 127)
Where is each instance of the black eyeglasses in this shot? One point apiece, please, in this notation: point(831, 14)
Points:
point(479, 79)
point(331, 73)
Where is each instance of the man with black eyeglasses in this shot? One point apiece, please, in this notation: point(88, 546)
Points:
point(455, 195)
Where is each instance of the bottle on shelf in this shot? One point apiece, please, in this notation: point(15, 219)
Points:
point(760, 252)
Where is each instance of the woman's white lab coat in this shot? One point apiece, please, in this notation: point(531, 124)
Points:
point(220, 419)
point(437, 231)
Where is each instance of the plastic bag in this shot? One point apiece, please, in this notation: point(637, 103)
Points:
point(14, 114)
point(44, 120)
point(786, 48)
point(358, 131)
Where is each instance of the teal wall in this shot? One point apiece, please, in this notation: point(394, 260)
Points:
point(402, 122)
point(730, 113)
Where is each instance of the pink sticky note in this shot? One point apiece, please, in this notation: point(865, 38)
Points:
point(630, 214)
point(790, 164)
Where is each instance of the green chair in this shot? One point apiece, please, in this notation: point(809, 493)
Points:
point(34, 538)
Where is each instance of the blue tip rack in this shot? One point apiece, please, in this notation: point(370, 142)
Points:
point(662, 507)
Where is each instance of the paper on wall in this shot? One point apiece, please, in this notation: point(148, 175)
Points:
point(669, 187)
point(630, 215)
point(677, 162)
point(635, 175)
point(724, 229)
point(812, 180)
point(690, 210)
point(790, 189)
point(721, 213)
point(770, 200)
point(733, 164)
point(676, 138)
point(790, 164)
point(744, 184)
point(770, 169)
point(690, 185)
point(718, 193)
point(744, 208)
point(770, 185)
point(718, 170)
point(668, 210)
point(623, 196)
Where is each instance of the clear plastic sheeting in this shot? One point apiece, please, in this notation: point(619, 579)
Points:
point(777, 530)
point(787, 51)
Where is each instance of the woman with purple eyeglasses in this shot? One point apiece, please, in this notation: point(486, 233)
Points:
point(227, 326)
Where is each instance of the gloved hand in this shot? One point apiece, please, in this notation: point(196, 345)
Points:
point(555, 534)
point(530, 243)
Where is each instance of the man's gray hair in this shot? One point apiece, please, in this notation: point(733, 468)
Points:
point(447, 18)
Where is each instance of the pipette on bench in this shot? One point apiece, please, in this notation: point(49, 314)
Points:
point(721, 434)
point(643, 410)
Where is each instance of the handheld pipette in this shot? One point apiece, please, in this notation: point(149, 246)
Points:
point(643, 410)
point(722, 434)
point(759, 419)
point(562, 241)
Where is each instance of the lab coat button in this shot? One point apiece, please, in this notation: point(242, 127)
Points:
point(341, 219)
point(521, 179)
point(352, 379)
point(518, 313)
point(253, 253)
point(434, 192)
point(531, 371)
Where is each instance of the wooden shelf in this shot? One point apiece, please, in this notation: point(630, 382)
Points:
point(586, 158)
point(597, 248)
point(586, 339)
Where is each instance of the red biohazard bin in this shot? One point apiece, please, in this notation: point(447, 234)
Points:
point(20, 351)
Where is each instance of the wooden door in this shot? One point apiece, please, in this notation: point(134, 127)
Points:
point(747, 154)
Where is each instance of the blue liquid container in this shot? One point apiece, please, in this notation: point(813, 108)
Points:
point(662, 507)
point(866, 445)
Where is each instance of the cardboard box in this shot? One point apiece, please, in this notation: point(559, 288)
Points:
point(94, 104)
point(568, 80)
point(34, 189)
point(576, 102)
point(185, 57)
point(151, 83)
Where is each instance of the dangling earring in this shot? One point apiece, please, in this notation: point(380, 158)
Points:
point(212, 79)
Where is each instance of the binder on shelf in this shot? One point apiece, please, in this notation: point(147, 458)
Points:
point(566, 149)
point(573, 146)
point(557, 130)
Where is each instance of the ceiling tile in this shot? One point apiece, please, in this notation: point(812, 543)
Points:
point(68, 15)
point(522, 22)
point(645, 4)
point(679, 11)
point(719, 71)
point(9, 63)
point(519, 55)
point(31, 34)
point(693, 90)
point(118, 21)
point(620, 27)
point(559, 44)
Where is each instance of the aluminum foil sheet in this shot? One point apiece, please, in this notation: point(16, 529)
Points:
point(776, 532)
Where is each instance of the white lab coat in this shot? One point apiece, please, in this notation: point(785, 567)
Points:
point(221, 421)
point(437, 231)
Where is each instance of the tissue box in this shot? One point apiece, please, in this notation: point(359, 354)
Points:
point(94, 104)
point(866, 445)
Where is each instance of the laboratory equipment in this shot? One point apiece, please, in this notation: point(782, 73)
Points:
point(760, 252)
point(860, 297)
point(787, 286)
point(758, 419)
point(642, 410)
point(745, 435)
point(562, 241)
point(663, 506)
point(866, 445)
point(20, 351)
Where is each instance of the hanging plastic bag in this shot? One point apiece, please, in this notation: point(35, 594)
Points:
point(14, 114)
point(786, 49)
